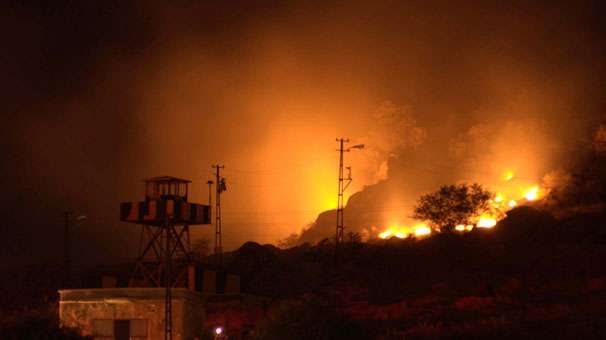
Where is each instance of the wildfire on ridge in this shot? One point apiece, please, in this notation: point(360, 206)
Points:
point(501, 203)
point(419, 230)
point(462, 227)
point(486, 222)
point(532, 193)
point(422, 230)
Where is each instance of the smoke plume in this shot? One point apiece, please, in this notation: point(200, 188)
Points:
point(101, 96)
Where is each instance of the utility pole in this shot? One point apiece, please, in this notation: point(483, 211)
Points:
point(343, 184)
point(340, 222)
point(168, 299)
point(220, 187)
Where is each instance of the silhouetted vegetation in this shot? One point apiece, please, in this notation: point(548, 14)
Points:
point(531, 276)
point(452, 205)
point(309, 317)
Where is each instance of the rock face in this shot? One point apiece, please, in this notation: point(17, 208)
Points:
point(135, 313)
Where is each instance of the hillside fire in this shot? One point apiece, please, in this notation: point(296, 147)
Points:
point(508, 194)
point(418, 230)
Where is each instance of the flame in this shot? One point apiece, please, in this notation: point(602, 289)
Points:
point(486, 222)
point(394, 230)
point(506, 198)
point(386, 234)
point(532, 193)
point(463, 227)
point(422, 230)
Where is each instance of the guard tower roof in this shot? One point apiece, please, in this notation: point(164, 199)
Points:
point(167, 179)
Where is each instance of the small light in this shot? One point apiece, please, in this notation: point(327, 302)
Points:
point(218, 330)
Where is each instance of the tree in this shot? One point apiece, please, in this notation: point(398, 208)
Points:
point(452, 205)
point(354, 238)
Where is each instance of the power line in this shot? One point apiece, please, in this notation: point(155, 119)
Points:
point(378, 209)
point(293, 165)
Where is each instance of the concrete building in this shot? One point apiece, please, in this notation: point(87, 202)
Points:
point(131, 313)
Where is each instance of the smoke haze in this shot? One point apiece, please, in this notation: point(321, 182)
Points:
point(100, 96)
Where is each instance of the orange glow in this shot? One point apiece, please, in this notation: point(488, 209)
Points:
point(422, 230)
point(387, 233)
point(462, 227)
point(395, 230)
point(532, 194)
point(400, 234)
point(510, 192)
point(486, 222)
point(393, 233)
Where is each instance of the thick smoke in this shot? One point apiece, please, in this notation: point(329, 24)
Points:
point(513, 112)
point(102, 96)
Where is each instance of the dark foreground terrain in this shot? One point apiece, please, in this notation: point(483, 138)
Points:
point(532, 276)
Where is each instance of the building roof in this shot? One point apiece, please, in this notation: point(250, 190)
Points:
point(138, 293)
point(167, 179)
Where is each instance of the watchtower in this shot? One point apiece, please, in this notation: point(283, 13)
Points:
point(165, 216)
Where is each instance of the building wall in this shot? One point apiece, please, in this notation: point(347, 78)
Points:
point(79, 307)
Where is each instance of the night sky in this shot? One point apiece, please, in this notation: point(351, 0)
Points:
point(99, 95)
